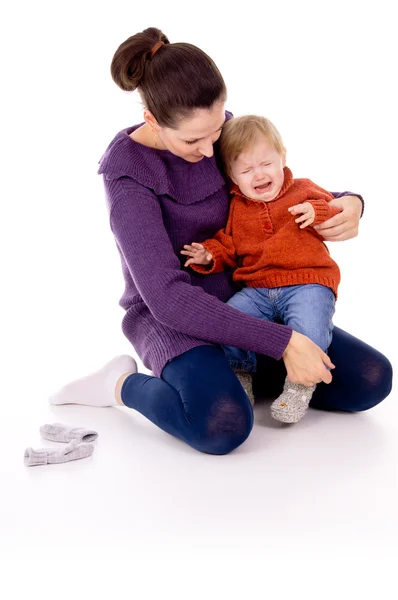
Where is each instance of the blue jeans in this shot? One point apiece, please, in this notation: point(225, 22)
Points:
point(308, 309)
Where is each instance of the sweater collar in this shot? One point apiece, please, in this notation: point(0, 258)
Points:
point(287, 183)
point(160, 170)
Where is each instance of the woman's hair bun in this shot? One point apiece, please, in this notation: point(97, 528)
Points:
point(130, 59)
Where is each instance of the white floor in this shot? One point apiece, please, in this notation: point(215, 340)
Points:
point(315, 495)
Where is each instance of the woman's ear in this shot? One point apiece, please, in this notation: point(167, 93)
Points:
point(151, 121)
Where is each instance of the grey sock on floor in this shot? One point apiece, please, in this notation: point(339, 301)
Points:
point(293, 403)
point(246, 381)
point(50, 456)
point(57, 432)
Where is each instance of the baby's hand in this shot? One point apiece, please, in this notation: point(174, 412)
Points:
point(307, 212)
point(199, 254)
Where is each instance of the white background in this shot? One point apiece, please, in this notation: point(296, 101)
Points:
point(325, 73)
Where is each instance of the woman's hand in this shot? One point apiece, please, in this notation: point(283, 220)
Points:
point(343, 226)
point(305, 361)
point(198, 253)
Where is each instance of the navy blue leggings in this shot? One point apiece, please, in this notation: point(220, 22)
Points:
point(200, 400)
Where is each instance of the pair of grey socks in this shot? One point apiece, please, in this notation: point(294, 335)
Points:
point(78, 442)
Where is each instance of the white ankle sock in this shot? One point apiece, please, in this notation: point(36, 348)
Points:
point(97, 389)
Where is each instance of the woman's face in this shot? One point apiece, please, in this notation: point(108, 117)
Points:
point(195, 135)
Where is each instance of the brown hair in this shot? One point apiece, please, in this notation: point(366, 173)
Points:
point(178, 79)
point(241, 132)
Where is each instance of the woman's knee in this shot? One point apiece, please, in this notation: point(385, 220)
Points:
point(222, 443)
point(377, 382)
point(227, 426)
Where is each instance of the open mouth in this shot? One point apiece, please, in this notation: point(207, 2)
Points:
point(263, 188)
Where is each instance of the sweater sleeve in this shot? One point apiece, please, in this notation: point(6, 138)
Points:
point(137, 224)
point(320, 198)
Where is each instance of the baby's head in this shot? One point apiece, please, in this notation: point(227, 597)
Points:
point(254, 156)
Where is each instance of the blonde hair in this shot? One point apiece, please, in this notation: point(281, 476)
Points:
point(240, 133)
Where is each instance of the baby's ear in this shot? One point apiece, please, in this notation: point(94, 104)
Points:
point(231, 176)
point(284, 157)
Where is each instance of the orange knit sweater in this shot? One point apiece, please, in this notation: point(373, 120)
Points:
point(265, 246)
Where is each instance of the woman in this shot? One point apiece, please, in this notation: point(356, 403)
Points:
point(164, 188)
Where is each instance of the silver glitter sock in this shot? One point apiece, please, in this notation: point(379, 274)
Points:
point(246, 381)
point(292, 404)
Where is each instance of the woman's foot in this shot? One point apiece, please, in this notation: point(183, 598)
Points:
point(292, 404)
point(97, 389)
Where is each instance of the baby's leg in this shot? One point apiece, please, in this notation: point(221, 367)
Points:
point(254, 302)
point(246, 381)
point(308, 309)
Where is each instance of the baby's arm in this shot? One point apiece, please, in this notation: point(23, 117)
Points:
point(316, 208)
point(198, 253)
point(214, 255)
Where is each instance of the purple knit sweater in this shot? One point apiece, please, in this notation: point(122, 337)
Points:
point(157, 203)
